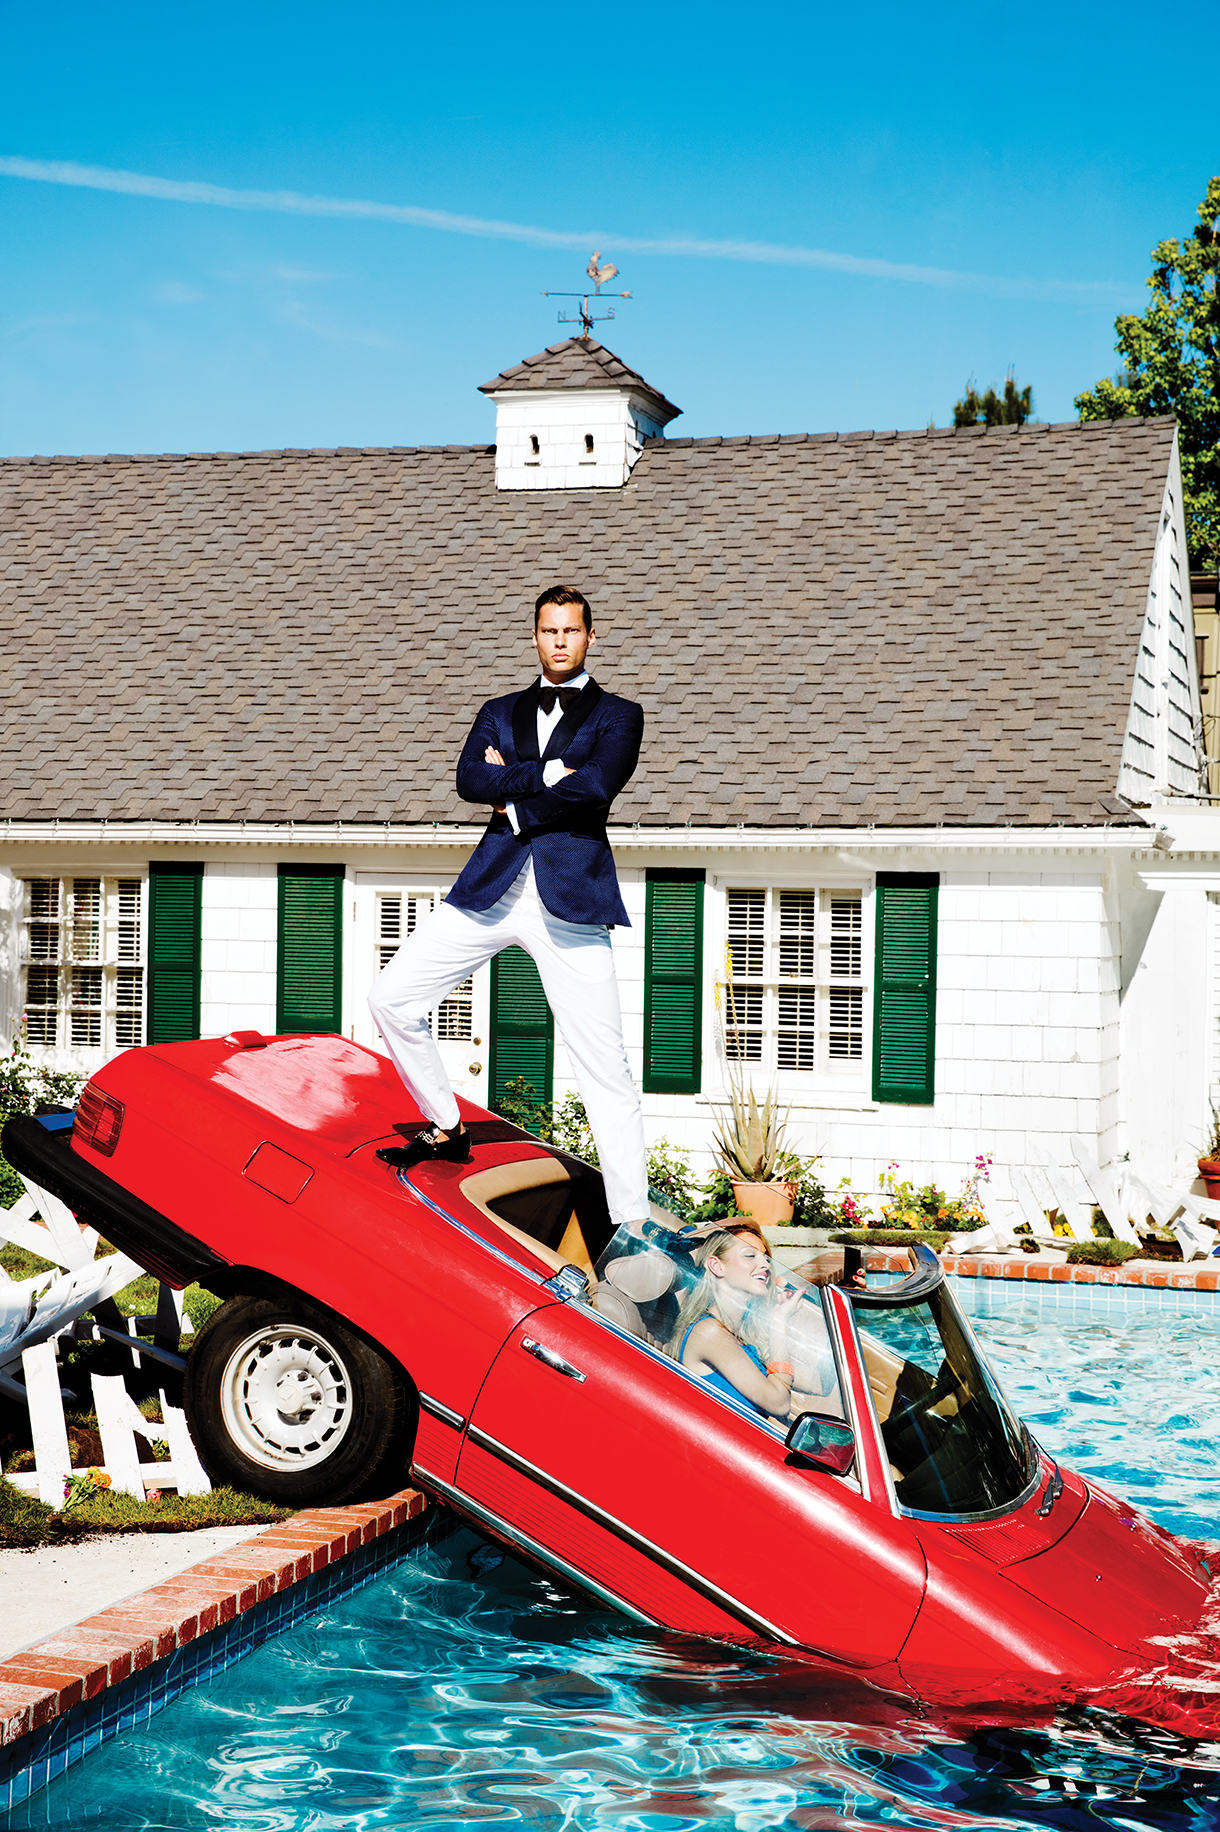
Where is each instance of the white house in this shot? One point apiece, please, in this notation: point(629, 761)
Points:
point(921, 759)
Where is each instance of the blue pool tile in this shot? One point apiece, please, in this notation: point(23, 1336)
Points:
point(28, 1765)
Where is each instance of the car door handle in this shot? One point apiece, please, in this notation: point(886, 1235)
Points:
point(541, 1353)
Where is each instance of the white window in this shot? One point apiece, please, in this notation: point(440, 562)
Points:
point(83, 963)
point(793, 992)
point(398, 913)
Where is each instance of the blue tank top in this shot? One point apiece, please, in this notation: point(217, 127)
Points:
point(720, 1381)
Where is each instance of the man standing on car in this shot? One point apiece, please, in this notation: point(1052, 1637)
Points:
point(549, 762)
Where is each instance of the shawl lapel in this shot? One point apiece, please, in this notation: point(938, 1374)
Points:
point(569, 725)
point(525, 725)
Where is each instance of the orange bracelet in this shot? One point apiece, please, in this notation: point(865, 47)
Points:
point(784, 1369)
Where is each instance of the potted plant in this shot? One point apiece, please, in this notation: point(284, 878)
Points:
point(1209, 1162)
point(749, 1134)
point(749, 1137)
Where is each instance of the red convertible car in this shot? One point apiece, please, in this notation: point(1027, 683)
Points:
point(480, 1323)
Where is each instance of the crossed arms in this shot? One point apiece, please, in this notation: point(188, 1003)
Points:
point(483, 776)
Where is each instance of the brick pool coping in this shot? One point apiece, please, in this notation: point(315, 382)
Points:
point(1159, 1275)
point(75, 1665)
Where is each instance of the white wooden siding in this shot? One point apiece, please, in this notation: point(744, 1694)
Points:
point(1162, 749)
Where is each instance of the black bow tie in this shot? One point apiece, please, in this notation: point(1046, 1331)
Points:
point(547, 697)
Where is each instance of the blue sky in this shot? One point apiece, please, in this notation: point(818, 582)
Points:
point(829, 217)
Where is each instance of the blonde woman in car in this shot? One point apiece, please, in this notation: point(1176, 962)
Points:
point(732, 1329)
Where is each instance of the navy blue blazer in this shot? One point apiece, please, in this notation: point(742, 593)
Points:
point(563, 828)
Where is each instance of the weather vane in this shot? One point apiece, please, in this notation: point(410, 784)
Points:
point(600, 276)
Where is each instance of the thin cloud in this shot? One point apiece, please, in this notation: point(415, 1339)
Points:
point(177, 292)
point(770, 254)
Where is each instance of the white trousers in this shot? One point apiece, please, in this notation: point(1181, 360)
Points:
point(575, 962)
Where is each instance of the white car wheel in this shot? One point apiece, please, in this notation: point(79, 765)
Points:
point(286, 1398)
point(288, 1401)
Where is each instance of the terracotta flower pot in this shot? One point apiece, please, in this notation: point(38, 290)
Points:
point(770, 1204)
point(1209, 1170)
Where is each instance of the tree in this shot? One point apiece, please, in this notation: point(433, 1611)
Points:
point(1171, 365)
point(1012, 408)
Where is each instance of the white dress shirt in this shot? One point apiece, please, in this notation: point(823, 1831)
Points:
point(553, 770)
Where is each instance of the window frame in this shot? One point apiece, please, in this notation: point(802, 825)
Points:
point(819, 1085)
point(107, 964)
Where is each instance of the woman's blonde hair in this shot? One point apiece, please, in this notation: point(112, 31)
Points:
point(699, 1298)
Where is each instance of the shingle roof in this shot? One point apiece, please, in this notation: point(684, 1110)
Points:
point(579, 362)
point(889, 628)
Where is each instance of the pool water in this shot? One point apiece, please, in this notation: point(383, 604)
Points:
point(1132, 1402)
point(462, 1688)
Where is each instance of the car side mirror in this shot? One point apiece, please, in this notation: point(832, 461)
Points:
point(822, 1443)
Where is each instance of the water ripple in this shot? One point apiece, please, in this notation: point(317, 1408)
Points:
point(441, 1698)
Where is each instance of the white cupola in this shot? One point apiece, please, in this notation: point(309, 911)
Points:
point(573, 418)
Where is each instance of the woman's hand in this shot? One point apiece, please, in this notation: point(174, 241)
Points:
point(782, 1304)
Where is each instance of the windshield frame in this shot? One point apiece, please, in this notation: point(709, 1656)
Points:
point(927, 1278)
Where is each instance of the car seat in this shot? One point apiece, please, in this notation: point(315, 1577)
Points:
point(629, 1281)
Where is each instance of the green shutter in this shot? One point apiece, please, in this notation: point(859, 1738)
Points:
point(175, 905)
point(673, 982)
point(904, 1007)
point(309, 981)
point(522, 1027)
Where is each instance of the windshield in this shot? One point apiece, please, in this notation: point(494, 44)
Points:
point(663, 1287)
point(954, 1444)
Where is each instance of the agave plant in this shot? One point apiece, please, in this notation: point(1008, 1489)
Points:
point(749, 1136)
point(749, 1133)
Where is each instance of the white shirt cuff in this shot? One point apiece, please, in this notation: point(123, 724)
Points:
point(511, 812)
point(553, 772)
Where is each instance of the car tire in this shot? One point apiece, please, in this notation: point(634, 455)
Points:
point(286, 1402)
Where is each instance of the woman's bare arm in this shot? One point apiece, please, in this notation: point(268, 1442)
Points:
point(712, 1346)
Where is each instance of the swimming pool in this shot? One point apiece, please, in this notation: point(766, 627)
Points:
point(452, 1691)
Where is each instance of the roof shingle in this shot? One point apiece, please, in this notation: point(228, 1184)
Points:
point(578, 362)
point(890, 629)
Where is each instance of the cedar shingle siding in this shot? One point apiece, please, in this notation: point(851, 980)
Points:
point(900, 629)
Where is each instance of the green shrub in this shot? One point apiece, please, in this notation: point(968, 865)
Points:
point(718, 1200)
point(522, 1105)
point(1101, 1252)
point(671, 1181)
point(889, 1237)
point(25, 1085)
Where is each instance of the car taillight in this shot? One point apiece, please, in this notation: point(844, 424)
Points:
point(99, 1119)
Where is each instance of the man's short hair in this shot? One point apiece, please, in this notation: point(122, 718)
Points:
point(563, 594)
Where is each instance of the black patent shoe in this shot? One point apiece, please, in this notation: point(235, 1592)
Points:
point(428, 1147)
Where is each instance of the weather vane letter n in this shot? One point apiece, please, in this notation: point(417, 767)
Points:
point(600, 276)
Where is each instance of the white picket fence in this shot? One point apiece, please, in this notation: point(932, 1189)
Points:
point(36, 1312)
point(1120, 1194)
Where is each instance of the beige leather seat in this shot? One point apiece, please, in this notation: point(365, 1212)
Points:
point(632, 1280)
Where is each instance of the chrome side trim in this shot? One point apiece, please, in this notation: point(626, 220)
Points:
point(463, 1504)
point(630, 1537)
point(445, 1414)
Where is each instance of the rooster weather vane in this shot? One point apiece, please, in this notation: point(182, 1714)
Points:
point(600, 276)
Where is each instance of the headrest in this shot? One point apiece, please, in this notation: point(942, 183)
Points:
point(641, 1276)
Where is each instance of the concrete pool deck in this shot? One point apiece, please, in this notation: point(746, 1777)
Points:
point(47, 1589)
